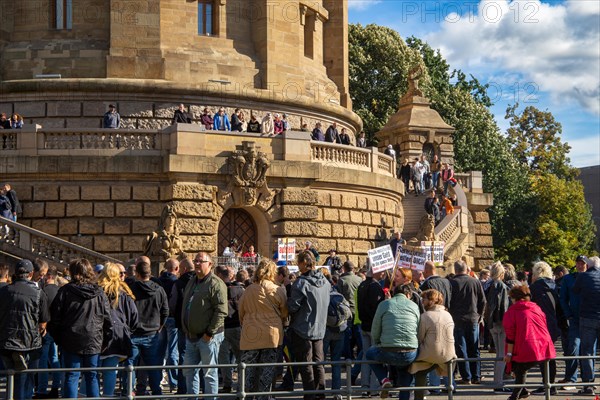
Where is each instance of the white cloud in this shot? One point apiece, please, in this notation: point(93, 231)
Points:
point(360, 5)
point(553, 46)
point(585, 151)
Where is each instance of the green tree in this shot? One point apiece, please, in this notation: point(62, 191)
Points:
point(379, 64)
point(534, 136)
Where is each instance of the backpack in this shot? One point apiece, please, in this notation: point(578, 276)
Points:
point(338, 312)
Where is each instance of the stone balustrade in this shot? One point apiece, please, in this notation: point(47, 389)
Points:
point(189, 140)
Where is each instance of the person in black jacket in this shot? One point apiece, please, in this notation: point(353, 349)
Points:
point(14, 201)
point(186, 270)
point(233, 331)
point(124, 316)
point(369, 295)
point(434, 281)
point(332, 135)
point(81, 326)
point(153, 310)
point(169, 336)
point(466, 308)
point(23, 317)
point(181, 117)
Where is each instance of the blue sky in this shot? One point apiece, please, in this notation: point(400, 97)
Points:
point(540, 53)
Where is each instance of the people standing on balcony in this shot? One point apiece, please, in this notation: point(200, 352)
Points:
point(112, 119)
point(202, 318)
point(221, 121)
point(435, 168)
point(362, 140)
point(267, 127)
point(181, 116)
point(345, 138)
point(253, 125)
point(4, 122)
point(153, 310)
point(286, 123)
point(389, 151)
point(262, 313)
point(587, 286)
point(528, 341)
point(236, 123)
point(23, 318)
point(124, 315)
point(307, 306)
point(317, 133)
point(278, 126)
point(206, 119)
point(332, 135)
point(81, 326)
point(16, 121)
point(467, 306)
point(250, 253)
point(243, 121)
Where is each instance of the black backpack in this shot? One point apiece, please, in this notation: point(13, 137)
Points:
point(338, 312)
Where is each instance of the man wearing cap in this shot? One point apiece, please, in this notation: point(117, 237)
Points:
point(23, 317)
point(112, 119)
point(333, 262)
point(587, 286)
point(569, 302)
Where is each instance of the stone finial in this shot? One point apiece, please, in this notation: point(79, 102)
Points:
point(414, 75)
point(165, 241)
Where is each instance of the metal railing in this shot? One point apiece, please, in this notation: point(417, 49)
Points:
point(449, 387)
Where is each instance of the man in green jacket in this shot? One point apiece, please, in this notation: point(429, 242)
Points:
point(202, 318)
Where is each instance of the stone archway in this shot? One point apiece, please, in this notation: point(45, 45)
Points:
point(429, 151)
point(237, 223)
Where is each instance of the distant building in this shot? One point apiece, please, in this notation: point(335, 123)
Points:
point(590, 177)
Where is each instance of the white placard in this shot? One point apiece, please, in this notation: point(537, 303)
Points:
point(286, 249)
point(381, 258)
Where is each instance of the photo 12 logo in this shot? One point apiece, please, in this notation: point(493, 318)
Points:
point(454, 12)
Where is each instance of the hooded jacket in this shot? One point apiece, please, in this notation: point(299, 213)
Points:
point(525, 326)
point(124, 321)
point(307, 305)
point(368, 296)
point(543, 293)
point(22, 307)
point(497, 303)
point(80, 319)
point(153, 308)
point(587, 286)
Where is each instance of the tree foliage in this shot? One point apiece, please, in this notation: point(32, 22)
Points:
point(534, 136)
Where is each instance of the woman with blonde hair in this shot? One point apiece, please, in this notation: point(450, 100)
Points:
point(436, 340)
point(262, 310)
point(124, 316)
point(497, 304)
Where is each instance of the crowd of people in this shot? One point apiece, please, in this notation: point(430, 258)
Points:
point(409, 323)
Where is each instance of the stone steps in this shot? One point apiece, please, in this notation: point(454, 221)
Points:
point(413, 212)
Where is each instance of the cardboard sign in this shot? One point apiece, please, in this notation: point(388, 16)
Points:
point(381, 258)
point(293, 269)
point(286, 249)
point(415, 257)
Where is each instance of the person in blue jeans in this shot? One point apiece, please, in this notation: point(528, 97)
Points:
point(124, 315)
point(153, 310)
point(587, 286)
point(80, 324)
point(395, 341)
point(203, 321)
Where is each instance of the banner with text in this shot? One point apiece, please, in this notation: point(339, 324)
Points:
point(415, 256)
point(286, 249)
point(381, 258)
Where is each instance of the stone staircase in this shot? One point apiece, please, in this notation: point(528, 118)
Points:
point(414, 210)
point(25, 242)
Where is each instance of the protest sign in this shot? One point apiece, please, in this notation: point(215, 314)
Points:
point(286, 249)
point(381, 258)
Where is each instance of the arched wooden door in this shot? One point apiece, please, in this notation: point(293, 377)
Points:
point(237, 223)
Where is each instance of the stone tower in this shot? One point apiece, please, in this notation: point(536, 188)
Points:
point(146, 56)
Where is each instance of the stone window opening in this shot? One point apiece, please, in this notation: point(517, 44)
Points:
point(62, 14)
point(206, 18)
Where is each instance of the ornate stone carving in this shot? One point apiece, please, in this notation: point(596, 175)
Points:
point(426, 230)
point(248, 180)
point(165, 241)
point(413, 81)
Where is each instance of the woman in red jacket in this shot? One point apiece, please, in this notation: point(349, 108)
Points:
point(528, 341)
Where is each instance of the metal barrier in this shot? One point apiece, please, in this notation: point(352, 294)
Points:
point(450, 388)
